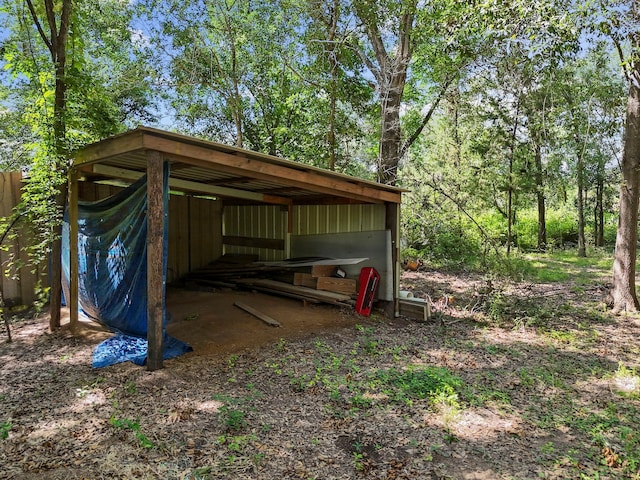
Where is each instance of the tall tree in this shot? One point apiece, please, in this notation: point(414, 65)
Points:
point(623, 295)
point(334, 74)
point(396, 33)
point(70, 95)
point(209, 59)
point(53, 23)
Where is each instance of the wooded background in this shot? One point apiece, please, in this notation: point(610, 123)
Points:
point(505, 120)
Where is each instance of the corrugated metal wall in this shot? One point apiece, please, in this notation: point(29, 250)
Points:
point(195, 234)
point(255, 222)
point(270, 222)
point(195, 231)
point(320, 219)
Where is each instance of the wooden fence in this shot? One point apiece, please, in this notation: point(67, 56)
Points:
point(18, 286)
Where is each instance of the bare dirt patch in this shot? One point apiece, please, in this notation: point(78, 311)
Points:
point(507, 381)
point(212, 325)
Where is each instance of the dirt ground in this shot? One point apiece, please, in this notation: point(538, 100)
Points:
point(212, 325)
point(507, 381)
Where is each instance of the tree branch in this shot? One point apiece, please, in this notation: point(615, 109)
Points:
point(373, 32)
point(404, 44)
point(442, 192)
point(8, 229)
point(36, 21)
point(407, 144)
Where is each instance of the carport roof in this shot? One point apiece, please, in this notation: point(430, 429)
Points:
point(209, 168)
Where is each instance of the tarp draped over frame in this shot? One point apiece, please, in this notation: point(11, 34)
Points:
point(112, 271)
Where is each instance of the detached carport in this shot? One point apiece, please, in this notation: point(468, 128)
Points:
point(229, 200)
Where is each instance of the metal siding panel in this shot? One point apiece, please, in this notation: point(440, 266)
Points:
point(256, 221)
point(343, 223)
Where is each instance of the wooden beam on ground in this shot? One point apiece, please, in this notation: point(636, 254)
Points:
point(258, 314)
point(155, 246)
point(72, 301)
point(310, 293)
point(280, 293)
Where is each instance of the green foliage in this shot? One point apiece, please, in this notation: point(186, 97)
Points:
point(133, 426)
point(5, 428)
point(437, 383)
point(56, 106)
point(440, 237)
point(233, 413)
point(232, 418)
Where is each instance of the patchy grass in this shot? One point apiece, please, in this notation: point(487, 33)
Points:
point(523, 381)
point(566, 266)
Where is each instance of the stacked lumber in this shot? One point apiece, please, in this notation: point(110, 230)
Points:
point(320, 283)
point(295, 291)
point(227, 269)
point(326, 277)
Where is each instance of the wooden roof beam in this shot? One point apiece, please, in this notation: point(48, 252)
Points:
point(186, 185)
point(302, 177)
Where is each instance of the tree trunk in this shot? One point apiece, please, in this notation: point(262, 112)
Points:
point(59, 58)
point(542, 211)
point(510, 212)
point(623, 293)
point(390, 138)
point(599, 208)
point(391, 76)
point(510, 209)
point(55, 303)
point(236, 98)
point(5, 318)
point(582, 250)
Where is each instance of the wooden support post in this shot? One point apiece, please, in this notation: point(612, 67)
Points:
point(155, 247)
point(72, 301)
point(393, 224)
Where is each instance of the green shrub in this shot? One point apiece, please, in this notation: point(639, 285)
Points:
point(4, 430)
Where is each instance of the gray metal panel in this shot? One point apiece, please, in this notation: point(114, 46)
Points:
point(375, 244)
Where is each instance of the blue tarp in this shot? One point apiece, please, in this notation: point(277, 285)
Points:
point(112, 272)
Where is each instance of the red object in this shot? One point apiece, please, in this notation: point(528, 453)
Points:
point(369, 280)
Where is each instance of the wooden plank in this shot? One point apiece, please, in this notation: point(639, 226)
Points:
point(305, 280)
point(190, 186)
point(155, 233)
point(323, 270)
point(178, 255)
point(287, 294)
point(258, 314)
point(11, 288)
point(305, 291)
point(110, 147)
point(338, 285)
point(205, 232)
point(413, 308)
point(196, 259)
point(270, 243)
